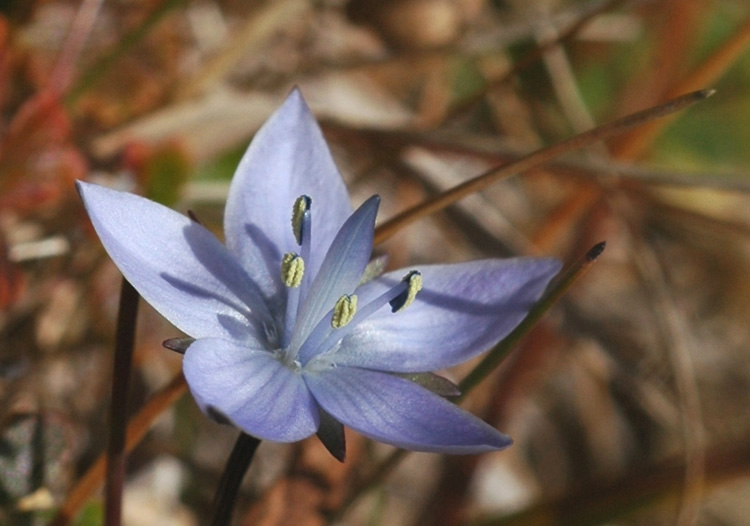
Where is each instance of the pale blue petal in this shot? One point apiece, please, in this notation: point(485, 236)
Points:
point(462, 311)
point(398, 412)
point(178, 266)
point(287, 158)
point(341, 270)
point(252, 388)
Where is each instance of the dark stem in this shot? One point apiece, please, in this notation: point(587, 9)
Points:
point(118, 414)
point(237, 464)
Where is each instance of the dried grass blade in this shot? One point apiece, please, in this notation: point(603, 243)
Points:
point(482, 181)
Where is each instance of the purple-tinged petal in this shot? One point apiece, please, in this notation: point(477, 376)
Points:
point(252, 388)
point(341, 270)
point(287, 158)
point(178, 266)
point(462, 310)
point(398, 412)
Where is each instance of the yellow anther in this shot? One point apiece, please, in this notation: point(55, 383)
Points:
point(344, 311)
point(414, 285)
point(292, 270)
point(301, 205)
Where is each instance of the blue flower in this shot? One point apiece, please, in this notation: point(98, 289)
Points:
point(288, 340)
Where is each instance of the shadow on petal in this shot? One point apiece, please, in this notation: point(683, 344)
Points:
point(259, 238)
point(200, 292)
point(226, 270)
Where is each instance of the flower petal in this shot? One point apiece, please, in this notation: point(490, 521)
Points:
point(178, 266)
point(287, 158)
point(461, 311)
point(252, 388)
point(341, 270)
point(398, 412)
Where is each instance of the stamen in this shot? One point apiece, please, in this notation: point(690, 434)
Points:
point(292, 270)
point(306, 229)
point(302, 230)
point(344, 311)
point(414, 284)
point(334, 322)
point(300, 208)
point(399, 295)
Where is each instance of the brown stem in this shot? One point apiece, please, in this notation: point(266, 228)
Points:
point(118, 413)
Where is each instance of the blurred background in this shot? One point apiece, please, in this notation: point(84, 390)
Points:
point(628, 403)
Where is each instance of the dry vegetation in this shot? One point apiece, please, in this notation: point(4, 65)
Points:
point(628, 401)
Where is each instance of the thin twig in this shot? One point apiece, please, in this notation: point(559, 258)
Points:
point(687, 219)
point(118, 413)
point(557, 289)
point(489, 149)
point(634, 145)
point(600, 133)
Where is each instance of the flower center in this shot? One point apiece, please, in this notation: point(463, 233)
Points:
point(324, 334)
